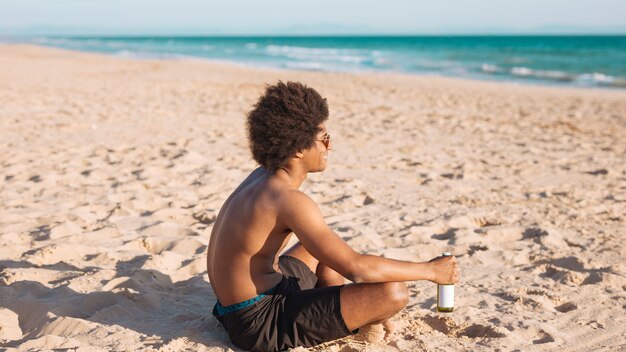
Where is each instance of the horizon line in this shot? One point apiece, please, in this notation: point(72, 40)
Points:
point(265, 35)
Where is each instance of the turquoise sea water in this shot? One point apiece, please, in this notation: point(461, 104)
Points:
point(588, 61)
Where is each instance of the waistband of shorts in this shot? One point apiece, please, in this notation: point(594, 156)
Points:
point(220, 310)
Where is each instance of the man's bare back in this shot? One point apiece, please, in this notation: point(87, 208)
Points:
point(249, 234)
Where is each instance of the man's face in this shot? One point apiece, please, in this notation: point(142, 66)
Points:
point(316, 156)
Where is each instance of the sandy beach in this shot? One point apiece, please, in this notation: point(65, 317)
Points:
point(112, 171)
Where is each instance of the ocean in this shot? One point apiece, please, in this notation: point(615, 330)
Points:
point(581, 61)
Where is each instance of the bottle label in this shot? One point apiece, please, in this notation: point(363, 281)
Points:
point(446, 296)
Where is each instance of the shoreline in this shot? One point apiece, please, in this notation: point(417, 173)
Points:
point(184, 57)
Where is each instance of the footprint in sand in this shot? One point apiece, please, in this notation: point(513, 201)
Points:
point(564, 276)
point(206, 217)
point(543, 337)
point(480, 330)
point(447, 326)
point(566, 307)
point(531, 298)
point(41, 233)
point(534, 234)
point(571, 270)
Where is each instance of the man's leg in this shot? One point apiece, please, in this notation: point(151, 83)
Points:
point(361, 304)
point(325, 275)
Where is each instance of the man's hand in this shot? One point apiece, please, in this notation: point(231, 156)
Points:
point(444, 270)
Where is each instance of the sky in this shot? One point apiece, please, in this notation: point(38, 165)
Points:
point(290, 17)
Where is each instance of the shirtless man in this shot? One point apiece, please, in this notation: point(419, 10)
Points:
point(268, 302)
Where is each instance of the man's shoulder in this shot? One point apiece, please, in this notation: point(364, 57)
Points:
point(295, 204)
point(292, 197)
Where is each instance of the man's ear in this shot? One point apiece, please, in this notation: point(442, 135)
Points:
point(299, 154)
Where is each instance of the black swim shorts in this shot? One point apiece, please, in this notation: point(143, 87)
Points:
point(292, 313)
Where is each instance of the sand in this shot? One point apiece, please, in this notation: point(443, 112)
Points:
point(112, 171)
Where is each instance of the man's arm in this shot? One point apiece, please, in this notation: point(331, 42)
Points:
point(305, 219)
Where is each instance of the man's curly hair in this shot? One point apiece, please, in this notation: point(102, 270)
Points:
point(284, 121)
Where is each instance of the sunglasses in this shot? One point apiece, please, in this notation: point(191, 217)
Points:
point(325, 140)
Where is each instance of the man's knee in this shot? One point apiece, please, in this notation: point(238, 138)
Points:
point(335, 279)
point(396, 294)
point(328, 277)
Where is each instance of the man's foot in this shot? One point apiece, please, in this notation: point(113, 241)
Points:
point(373, 333)
point(389, 327)
point(370, 333)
